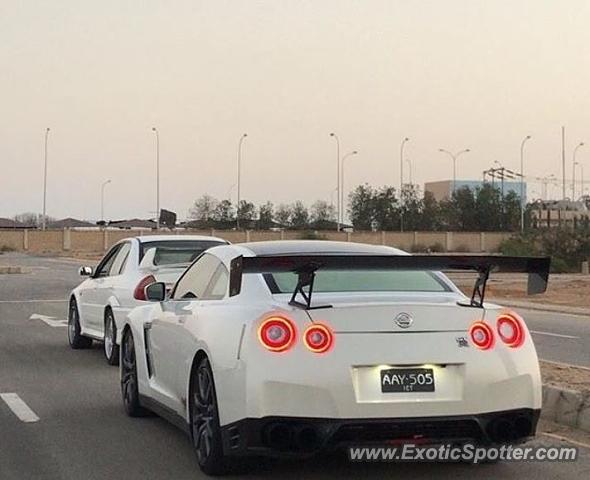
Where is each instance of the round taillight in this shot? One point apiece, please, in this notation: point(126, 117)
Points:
point(277, 334)
point(482, 335)
point(318, 338)
point(510, 329)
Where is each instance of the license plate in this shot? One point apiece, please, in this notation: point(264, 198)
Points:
point(407, 380)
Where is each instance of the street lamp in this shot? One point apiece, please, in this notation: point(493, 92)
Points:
point(454, 156)
point(44, 218)
point(581, 144)
point(401, 164)
point(350, 154)
point(244, 135)
point(104, 184)
point(337, 180)
point(155, 130)
point(410, 168)
point(524, 140)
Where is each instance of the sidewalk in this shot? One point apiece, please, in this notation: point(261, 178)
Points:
point(545, 307)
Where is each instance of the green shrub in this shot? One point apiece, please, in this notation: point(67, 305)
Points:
point(6, 248)
point(311, 235)
point(437, 247)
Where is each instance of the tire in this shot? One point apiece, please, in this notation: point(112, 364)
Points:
point(111, 349)
point(129, 388)
point(77, 341)
point(204, 422)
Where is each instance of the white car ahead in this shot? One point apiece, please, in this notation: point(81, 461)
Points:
point(289, 348)
point(99, 305)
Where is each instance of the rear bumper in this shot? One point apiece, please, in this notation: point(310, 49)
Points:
point(299, 436)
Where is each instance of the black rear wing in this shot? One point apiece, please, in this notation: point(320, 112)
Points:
point(305, 267)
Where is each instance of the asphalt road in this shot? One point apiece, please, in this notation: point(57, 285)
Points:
point(83, 433)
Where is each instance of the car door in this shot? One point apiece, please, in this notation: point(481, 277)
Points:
point(167, 329)
point(91, 308)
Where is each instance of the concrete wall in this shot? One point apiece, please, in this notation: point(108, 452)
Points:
point(95, 241)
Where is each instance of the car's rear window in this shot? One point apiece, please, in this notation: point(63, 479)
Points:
point(362, 281)
point(171, 252)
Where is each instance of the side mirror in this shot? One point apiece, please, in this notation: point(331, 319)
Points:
point(156, 292)
point(85, 271)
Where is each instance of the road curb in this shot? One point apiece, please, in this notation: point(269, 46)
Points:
point(566, 407)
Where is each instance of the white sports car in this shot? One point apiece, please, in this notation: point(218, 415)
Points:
point(289, 348)
point(98, 306)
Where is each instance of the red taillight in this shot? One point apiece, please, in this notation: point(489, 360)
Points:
point(277, 334)
point(139, 292)
point(482, 335)
point(510, 329)
point(318, 338)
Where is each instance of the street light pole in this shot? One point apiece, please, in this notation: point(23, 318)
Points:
point(581, 144)
point(239, 178)
point(104, 184)
point(410, 168)
point(337, 180)
point(454, 156)
point(354, 152)
point(524, 140)
point(155, 130)
point(401, 181)
point(401, 164)
point(44, 218)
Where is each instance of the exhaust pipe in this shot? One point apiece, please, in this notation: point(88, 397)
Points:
point(279, 436)
point(306, 439)
point(522, 426)
point(501, 430)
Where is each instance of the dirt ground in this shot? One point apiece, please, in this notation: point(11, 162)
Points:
point(566, 376)
point(563, 289)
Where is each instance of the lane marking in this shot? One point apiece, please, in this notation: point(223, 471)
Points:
point(19, 407)
point(552, 334)
point(51, 321)
point(35, 301)
point(565, 439)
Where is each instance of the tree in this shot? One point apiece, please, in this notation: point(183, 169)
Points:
point(203, 208)
point(300, 216)
point(31, 219)
point(224, 213)
point(386, 210)
point(265, 216)
point(322, 214)
point(430, 219)
point(361, 207)
point(283, 215)
point(411, 208)
point(246, 211)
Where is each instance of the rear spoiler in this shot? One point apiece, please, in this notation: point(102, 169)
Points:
point(305, 267)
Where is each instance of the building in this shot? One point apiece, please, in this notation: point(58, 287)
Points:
point(443, 189)
point(560, 213)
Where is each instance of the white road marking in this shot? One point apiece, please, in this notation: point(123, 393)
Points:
point(553, 334)
point(35, 301)
point(19, 407)
point(51, 321)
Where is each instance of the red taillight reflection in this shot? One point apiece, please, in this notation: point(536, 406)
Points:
point(318, 338)
point(139, 292)
point(277, 334)
point(510, 329)
point(482, 335)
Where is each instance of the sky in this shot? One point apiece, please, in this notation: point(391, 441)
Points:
point(450, 74)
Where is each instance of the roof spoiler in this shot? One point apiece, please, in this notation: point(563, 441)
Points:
point(305, 266)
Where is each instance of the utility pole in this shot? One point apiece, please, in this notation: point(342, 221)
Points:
point(44, 218)
point(563, 160)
